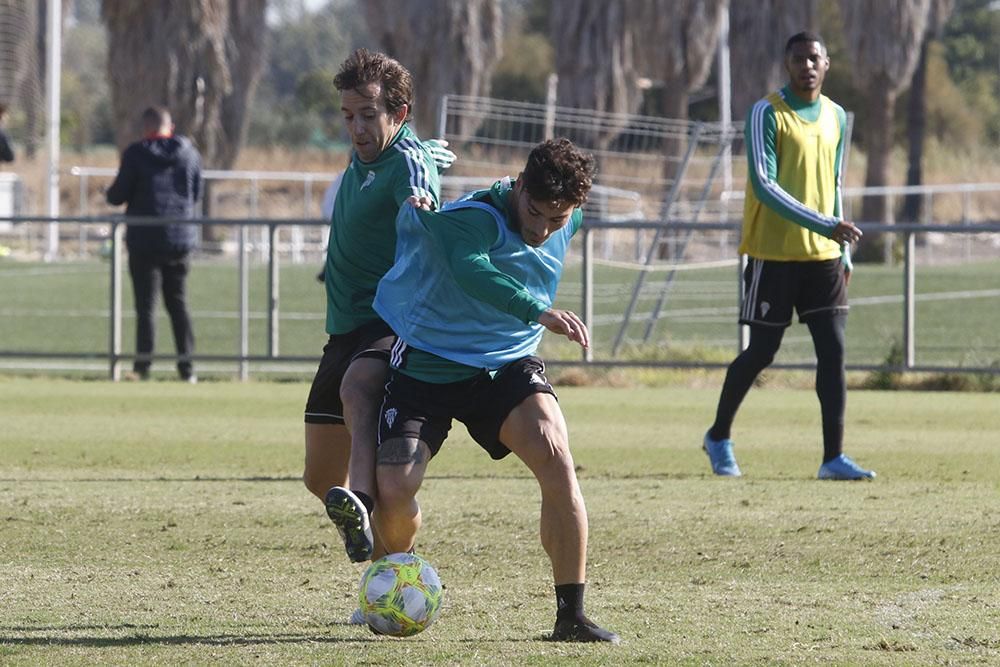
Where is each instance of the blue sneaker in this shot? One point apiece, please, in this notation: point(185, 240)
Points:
point(350, 516)
point(720, 453)
point(843, 467)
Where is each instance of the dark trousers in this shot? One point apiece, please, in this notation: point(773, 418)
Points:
point(150, 273)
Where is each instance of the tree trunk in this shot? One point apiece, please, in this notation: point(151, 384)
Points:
point(882, 40)
point(245, 50)
point(675, 106)
point(594, 44)
point(916, 112)
point(679, 39)
point(199, 58)
point(875, 208)
point(916, 123)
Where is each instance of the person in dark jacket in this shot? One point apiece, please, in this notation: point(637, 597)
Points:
point(160, 175)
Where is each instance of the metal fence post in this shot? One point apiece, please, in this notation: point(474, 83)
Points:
point(244, 303)
point(115, 323)
point(272, 291)
point(909, 300)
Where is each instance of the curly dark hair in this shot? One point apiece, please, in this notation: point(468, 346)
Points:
point(363, 67)
point(557, 171)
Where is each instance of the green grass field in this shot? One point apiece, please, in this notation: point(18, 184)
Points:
point(64, 308)
point(162, 523)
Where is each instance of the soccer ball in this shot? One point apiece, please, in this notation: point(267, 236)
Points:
point(401, 595)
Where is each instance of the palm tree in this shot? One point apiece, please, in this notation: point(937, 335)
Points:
point(200, 58)
point(678, 40)
point(882, 40)
point(604, 49)
point(449, 46)
point(595, 47)
point(757, 33)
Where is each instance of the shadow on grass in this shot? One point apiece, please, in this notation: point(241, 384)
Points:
point(141, 638)
point(181, 640)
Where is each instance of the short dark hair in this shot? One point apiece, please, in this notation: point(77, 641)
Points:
point(804, 36)
point(153, 118)
point(363, 67)
point(557, 171)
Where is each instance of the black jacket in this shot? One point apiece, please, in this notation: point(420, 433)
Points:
point(6, 152)
point(159, 177)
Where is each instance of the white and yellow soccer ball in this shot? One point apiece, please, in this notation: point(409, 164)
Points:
point(400, 595)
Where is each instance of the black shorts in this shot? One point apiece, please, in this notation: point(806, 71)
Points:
point(771, 289)
point(372, 340)
point(423, 410)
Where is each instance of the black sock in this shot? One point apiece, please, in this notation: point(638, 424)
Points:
point(569, 601)
point(366, 500)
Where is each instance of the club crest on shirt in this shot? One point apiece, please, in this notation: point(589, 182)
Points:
point(369, 179)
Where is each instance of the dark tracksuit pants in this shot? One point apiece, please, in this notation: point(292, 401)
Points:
point(150, 273)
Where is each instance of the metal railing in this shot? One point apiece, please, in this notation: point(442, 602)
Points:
point(114, 356)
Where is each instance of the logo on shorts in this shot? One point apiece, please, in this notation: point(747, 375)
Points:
point(390, 416)
point(536, 379)
point(369, 179)
point(764, 307)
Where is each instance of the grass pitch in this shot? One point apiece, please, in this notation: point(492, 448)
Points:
point(162, 523)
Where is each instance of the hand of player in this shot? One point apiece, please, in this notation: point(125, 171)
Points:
point(424, 203)
point(846, 232)
point(567, 324)
point(438, 148)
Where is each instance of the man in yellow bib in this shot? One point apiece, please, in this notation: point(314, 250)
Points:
point(798, 247)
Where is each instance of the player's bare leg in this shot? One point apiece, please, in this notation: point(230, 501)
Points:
point(361, 393)
point(350, 508)
point(536, 432)
point(402, 463)
point(328, 449)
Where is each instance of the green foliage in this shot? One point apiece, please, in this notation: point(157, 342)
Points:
point(316, 93)
point(296, 98)
point(888, 377)
point(523, 71)
point(962, 84)
point(86, 107)
point(972, 51)
point(527, 59)
point(951, 118)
